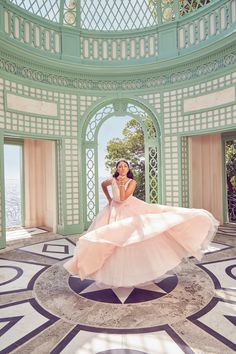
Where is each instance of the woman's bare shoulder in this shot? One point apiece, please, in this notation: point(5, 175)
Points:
point(132, 182)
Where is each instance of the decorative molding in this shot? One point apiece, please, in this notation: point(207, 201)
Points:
point(191, 71)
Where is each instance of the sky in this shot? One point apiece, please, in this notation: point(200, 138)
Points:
point(12, 161)
point(111, 128)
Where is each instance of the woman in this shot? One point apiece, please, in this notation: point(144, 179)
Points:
point(132, 242)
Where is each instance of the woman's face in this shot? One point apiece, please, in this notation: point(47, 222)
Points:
point(122, 168)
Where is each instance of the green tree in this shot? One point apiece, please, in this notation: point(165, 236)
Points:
point(131, 148)
point(230, 154)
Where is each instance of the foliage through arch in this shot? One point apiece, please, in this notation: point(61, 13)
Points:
point(230, 157)
point(131, 148)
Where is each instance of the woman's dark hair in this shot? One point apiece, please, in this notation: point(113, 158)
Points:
point(129, 174)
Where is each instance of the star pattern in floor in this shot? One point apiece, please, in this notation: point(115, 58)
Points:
point(124, 295)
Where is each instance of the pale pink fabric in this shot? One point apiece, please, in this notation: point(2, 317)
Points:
point(132, 242)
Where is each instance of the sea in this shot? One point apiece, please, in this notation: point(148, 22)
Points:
point(13, 203)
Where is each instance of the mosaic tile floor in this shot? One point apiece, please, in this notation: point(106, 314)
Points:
point(43, 310)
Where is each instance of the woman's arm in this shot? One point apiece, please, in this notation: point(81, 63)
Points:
point(124, 194)
point(105, 184)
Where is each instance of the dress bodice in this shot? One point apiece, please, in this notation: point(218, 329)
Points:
point(116, 191)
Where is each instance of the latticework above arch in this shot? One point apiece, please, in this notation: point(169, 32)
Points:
point(112, 15)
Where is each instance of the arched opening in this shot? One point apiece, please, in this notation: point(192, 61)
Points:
point(152, 151)
point(121, 137)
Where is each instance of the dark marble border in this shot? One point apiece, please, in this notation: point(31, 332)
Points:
point(195, 319)
point(51, 320)
point(66, 248)
point(73, 243)
point(213, 276)
point(228, 271)
point(221, 250)
point(20, 249)
point(20, 272)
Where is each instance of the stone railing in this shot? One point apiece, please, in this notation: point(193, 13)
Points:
point(207, 25)
point(28, 32)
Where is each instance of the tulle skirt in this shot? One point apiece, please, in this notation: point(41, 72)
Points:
point(133, 242)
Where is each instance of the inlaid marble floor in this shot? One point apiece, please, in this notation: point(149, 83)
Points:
point(44, 310)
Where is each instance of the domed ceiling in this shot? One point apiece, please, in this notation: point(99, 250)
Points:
point(111, 15)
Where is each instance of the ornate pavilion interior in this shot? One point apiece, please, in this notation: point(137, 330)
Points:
point(67, 66)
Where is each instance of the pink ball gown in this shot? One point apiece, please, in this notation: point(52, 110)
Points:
point(132, 242)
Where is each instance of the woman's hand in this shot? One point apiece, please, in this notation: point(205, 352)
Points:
point(126, 192)
point(121, 180)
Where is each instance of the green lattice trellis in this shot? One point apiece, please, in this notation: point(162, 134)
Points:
point(111, 15)
point(152, 150)
point(49, 9)
point(187, 6)
point(116, 15)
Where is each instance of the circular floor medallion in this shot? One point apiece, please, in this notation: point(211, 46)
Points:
point(190, 291)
